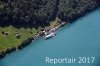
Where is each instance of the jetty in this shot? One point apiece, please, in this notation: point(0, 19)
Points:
point(48, 33)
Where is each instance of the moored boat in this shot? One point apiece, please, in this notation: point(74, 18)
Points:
point(50, 35)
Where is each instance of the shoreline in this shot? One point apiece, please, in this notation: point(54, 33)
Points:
point(26, 42)
point(33, 38)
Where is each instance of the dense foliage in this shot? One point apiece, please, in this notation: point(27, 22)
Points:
point(72, 9)
point(29, 13)
point(26, 12)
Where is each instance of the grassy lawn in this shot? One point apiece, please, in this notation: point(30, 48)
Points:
point(55, 22)
point(10, 40)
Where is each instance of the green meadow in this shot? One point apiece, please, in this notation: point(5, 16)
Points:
point(10, 40)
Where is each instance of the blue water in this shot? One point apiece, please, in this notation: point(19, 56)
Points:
point(80, 39)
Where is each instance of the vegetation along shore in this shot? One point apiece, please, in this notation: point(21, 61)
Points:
point(21, 21)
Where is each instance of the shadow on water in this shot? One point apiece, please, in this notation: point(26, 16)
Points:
point(0, 62)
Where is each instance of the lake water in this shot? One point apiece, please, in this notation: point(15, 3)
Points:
point(80, 39)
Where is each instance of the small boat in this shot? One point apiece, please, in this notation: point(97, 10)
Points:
point(50, 35)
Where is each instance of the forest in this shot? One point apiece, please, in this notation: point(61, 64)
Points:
point(26, 13)
point(35, 13)
point(70, 10)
